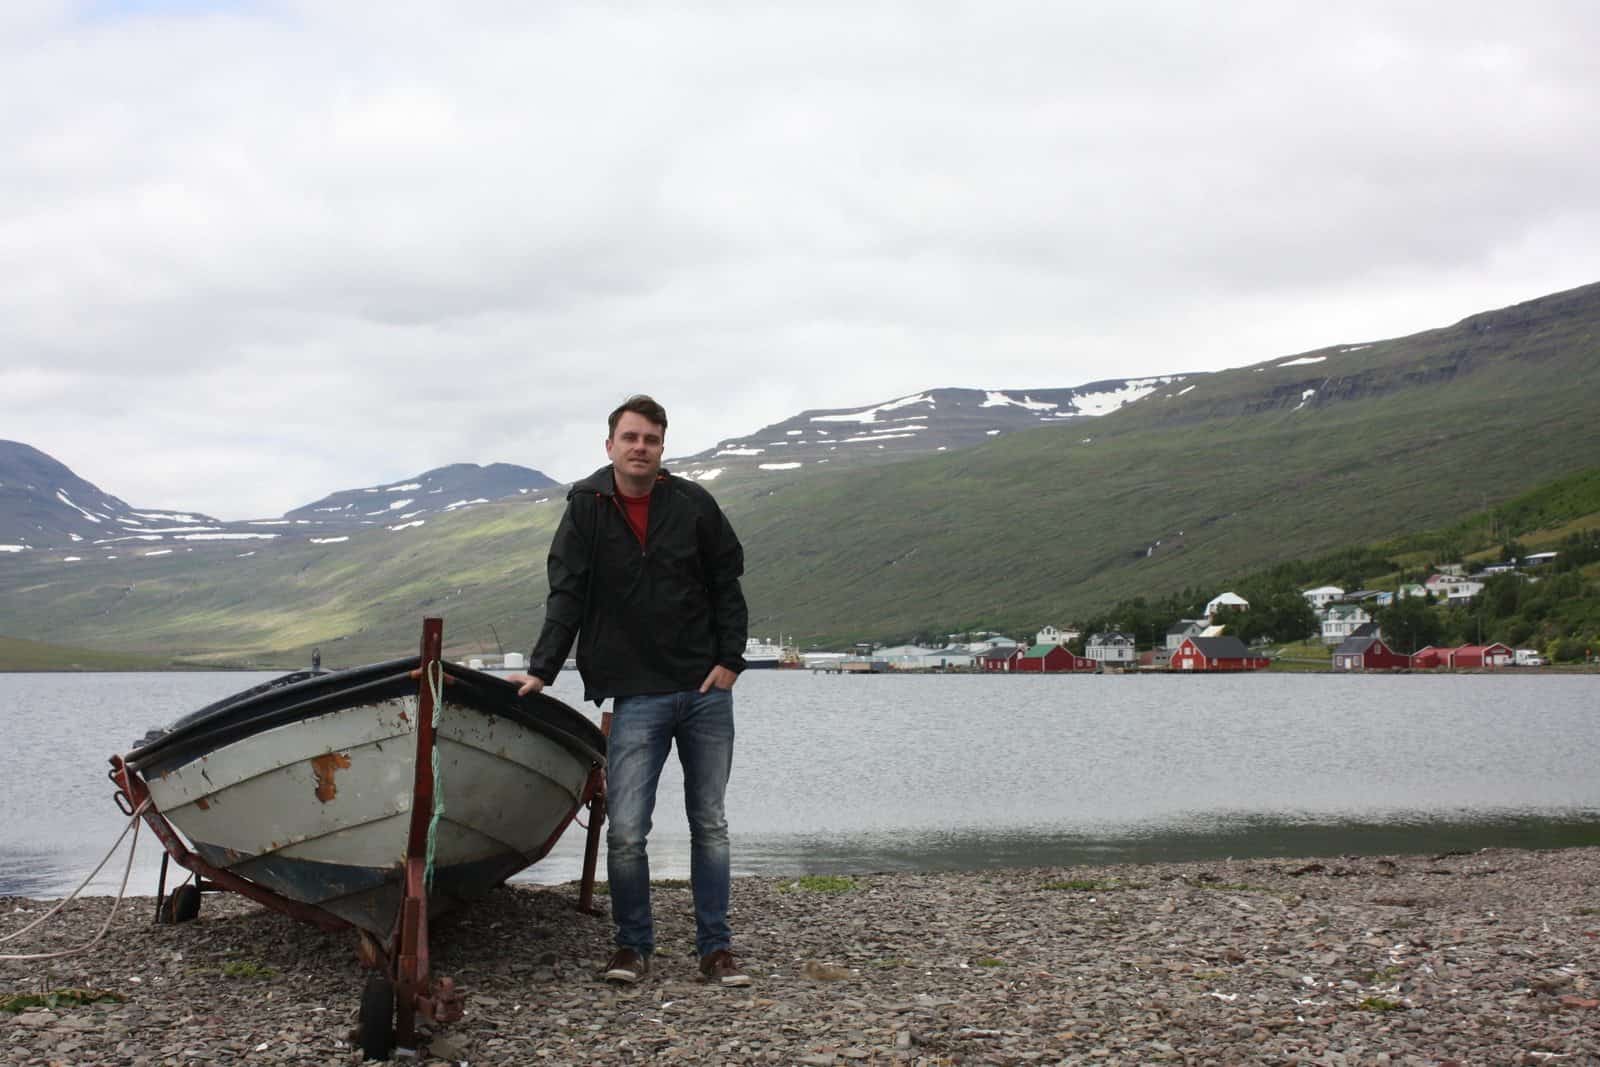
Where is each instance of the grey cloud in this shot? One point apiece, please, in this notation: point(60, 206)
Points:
point(252, 256)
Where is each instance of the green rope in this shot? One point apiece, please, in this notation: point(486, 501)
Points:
point(436, 686)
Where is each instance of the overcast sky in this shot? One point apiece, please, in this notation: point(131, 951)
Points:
point(251, 253)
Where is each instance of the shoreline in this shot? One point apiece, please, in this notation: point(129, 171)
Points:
point(1491, 956)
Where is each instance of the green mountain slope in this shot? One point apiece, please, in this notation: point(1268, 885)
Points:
point(1229, 477)
point(1223, 475)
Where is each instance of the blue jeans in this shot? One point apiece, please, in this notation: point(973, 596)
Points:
point(643, 729)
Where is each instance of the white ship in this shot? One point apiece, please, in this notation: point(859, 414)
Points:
point(760, 654)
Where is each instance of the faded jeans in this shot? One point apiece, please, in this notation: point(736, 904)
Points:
point(643, 730)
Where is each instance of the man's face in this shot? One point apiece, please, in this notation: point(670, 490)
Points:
point(635, 446)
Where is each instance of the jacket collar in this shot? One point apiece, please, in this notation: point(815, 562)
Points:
point(603, 483)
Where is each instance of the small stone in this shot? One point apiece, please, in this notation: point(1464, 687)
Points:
point(448, 1046)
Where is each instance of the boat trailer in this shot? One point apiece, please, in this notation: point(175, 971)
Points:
point(403, 992)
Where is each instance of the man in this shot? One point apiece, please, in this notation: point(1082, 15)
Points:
point(644, 572)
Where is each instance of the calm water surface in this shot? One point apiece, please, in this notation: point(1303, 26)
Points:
point(843, 774)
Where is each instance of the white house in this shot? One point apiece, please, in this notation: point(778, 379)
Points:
point(1321, 596)
point(1453, 588)
point(1050, 635)
point(1341, 621)
point(1226, 600)
point(1111, 648)
point(1183, 628)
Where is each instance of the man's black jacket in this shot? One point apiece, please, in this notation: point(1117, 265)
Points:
point(650, 619)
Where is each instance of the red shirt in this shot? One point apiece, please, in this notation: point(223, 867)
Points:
point(637, 511)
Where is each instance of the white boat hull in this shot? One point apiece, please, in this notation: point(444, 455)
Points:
point(318, 810)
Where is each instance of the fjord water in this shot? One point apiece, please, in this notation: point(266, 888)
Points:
point(853, 774)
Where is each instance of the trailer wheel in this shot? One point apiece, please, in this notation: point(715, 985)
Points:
point(377, 1018)
point(184, 904)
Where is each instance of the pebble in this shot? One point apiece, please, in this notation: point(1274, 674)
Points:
point(1494, 957)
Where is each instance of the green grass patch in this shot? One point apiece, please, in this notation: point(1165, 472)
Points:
point(52, 999)
point(988, 961)
point(819, 883)
point(1586, 911)
point(247, 969)
point(17, 654)
point(1380, 1004)
point(1089, 885)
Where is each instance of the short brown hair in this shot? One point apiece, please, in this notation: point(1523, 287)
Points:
point(639, 404)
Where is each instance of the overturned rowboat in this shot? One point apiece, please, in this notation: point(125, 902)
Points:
point(371, 798)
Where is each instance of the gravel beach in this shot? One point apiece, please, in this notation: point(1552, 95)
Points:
point(1491, 957)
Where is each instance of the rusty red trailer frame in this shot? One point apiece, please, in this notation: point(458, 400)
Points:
point(405, 961)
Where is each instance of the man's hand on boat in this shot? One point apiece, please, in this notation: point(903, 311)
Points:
point(526, 683)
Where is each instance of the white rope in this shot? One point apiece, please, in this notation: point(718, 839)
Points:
point(133, 824)
point(436, 687)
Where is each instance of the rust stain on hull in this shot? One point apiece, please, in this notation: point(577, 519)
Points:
point(203, 804)
point(324, 768)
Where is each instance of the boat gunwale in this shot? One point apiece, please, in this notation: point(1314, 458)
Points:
point(259, 709)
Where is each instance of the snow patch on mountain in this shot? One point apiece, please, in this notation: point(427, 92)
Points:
point(876, 437)
point(171, 516)
point(226, 537)
point(65, 499)
point(1000, 400)
point(1104, 403)
point(870, 415)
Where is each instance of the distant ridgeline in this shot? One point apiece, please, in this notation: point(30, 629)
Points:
point(939, 512)
point(44, 505)
point(436, 492)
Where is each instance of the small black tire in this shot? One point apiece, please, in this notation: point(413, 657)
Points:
point(377, 1018)
point(183, 905)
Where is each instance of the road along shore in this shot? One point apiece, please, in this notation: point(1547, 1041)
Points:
point(1489, 957)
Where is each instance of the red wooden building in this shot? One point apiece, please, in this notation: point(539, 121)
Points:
point(1495, 655)
point(1464, 657)
point(1368, 654)
point(1052, 659)
point(1215, 654)
point(1000, 659)
point(1429, 658)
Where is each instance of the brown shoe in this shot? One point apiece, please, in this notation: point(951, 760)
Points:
point(722, 968)
point(626, 967)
